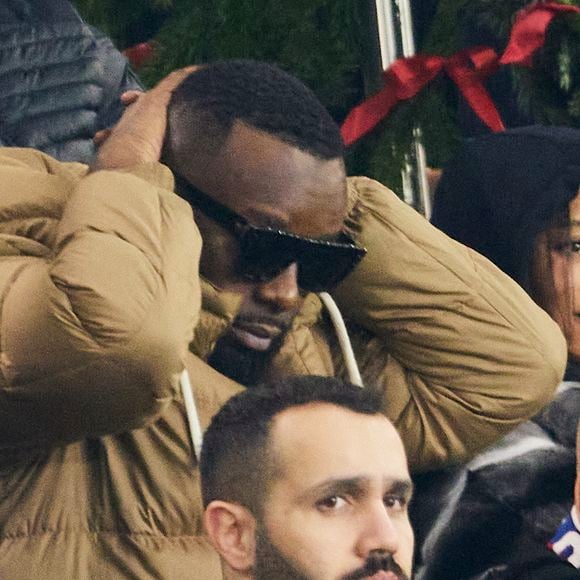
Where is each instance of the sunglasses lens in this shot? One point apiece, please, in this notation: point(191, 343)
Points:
point(321, 266)
point(265, 252)
point(263, 255)
point(326, 268)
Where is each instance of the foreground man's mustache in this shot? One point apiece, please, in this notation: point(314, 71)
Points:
point(378, 561)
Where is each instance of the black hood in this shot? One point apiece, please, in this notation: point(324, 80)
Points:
point(503, 189)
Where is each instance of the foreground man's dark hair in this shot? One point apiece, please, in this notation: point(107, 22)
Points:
point(205, 106)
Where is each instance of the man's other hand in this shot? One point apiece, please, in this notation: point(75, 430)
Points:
point(138, 136)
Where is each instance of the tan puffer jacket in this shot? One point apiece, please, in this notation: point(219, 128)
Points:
point(99, 298)
point(100, 295)
point(459, 350)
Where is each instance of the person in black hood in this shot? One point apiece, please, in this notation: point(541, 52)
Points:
point(514, 197)
point(508, 196)
point(502, 190)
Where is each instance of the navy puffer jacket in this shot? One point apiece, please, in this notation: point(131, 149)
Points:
point(60, 79)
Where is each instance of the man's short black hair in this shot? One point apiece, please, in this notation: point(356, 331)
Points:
point(235, 462)
point(206, 104)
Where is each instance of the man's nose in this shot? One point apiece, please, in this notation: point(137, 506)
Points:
point(378, 532)
point(282, 291)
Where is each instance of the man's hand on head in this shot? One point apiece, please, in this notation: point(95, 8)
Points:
point(127, 98)
point(138, 136)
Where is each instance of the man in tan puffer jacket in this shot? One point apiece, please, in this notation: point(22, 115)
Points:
point(100, 297)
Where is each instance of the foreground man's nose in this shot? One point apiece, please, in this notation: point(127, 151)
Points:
point(378, 533)
point(282, 291)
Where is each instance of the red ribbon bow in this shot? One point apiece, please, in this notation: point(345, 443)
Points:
point(529, 31)
point(406, 77)
point(469, 68)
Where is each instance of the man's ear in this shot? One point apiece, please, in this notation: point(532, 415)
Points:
point(232, 531)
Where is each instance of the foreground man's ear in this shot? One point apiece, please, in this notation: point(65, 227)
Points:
point(232, 531)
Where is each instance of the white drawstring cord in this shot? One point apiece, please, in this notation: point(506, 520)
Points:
point(195, 431)
point(354, 377)
point(343, 339)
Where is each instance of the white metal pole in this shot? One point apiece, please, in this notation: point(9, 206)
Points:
point(395, 30)
point(386, 28)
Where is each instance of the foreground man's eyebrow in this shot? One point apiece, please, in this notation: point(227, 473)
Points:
point(402, 487)
point(356, 485)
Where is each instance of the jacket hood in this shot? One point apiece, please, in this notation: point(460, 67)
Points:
point(504, 189)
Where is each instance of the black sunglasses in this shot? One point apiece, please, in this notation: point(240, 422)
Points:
point(266, 252)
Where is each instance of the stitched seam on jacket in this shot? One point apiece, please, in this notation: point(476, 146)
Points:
point(8, 288)
point(48, 88)
point(158, 272)
point(103, 343)
point(298, 353)
point(52, 39)
point(532, 340)
point(80, 232)
point(24, 535)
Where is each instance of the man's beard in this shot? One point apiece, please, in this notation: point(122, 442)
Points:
point(243, 365)
point(271, 564)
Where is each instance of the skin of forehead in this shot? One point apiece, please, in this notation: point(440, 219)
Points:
point(296, 434)
point(574, 210)
point(575, 207)
point(256, 173)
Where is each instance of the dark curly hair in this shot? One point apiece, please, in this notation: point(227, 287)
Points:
point(235, 464)
point(208, 102)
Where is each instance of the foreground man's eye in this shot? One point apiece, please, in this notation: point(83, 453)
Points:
point(332, 502)
point(396, 502)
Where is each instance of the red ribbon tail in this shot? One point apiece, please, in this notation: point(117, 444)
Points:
point(404, 79)
point(469, 81)
point(529, 31)
point(366, 116)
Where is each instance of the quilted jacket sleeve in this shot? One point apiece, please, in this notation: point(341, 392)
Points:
point(117, 78)
point(471, 355)
point(99, 296)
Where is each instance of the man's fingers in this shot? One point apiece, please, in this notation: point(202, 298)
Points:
point(162, 90)
point(101, 136)
point(153, 103)
point(172, 80)
point(166, 86)
point(139, 135)
point(129, 97)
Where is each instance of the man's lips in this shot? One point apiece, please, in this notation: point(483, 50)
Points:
point(255, 335)
point(368, 574)
point(382, 575)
